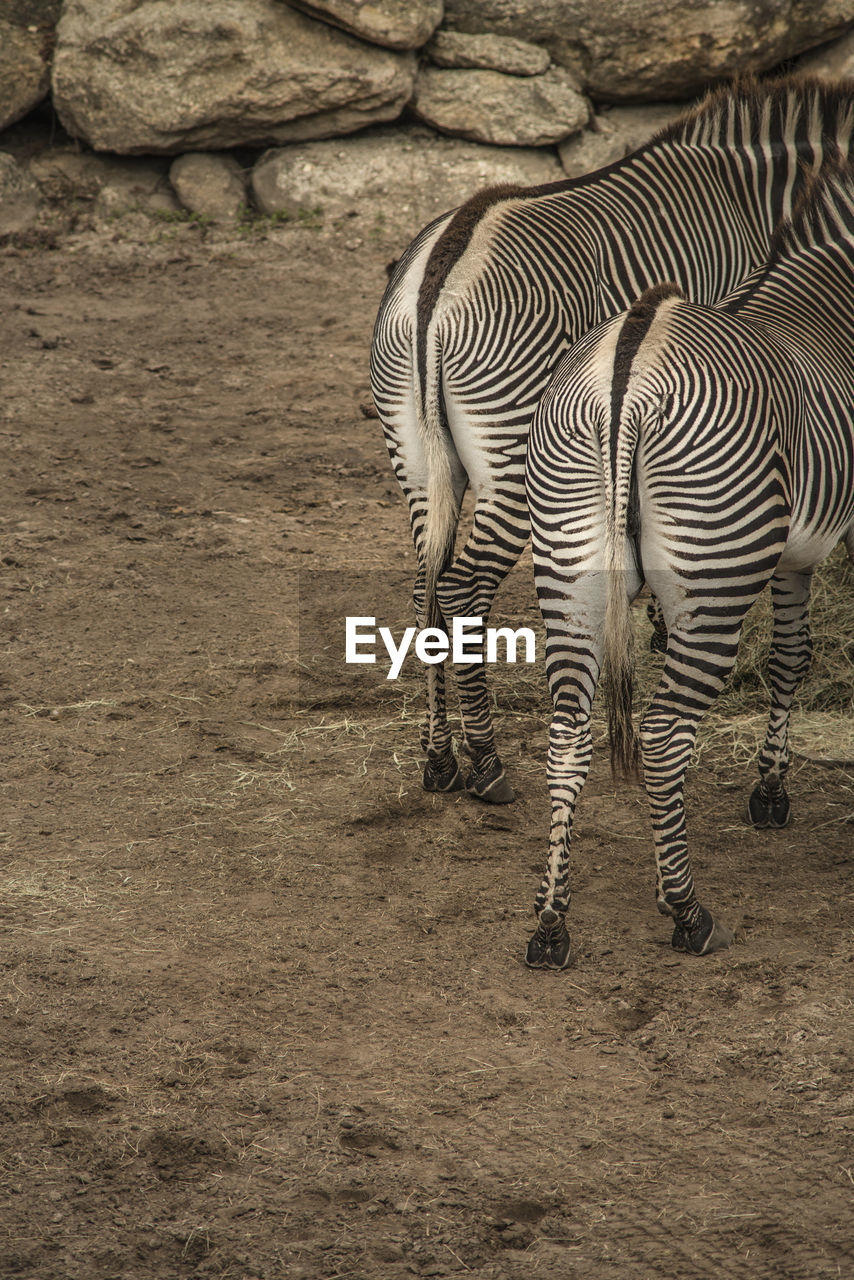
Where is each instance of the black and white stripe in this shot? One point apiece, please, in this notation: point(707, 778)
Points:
point(487, 299)
point(706, 451)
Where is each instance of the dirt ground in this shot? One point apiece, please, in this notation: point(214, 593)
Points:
point(264, 1011)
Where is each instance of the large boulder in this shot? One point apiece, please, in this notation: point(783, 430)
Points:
point(176, 75)
point(407, 176)
point(833, 61)
point(486, 106)
point(397, 24)
point(625, 50)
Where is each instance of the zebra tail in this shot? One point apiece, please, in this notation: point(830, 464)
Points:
point(618, 666)
point(442, 515)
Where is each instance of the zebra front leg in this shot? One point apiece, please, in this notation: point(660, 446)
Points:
point(788, 663)
point(667, 739)
point(570, 749)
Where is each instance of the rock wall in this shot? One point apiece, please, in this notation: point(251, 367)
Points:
point(634, 50)
point(526, 86)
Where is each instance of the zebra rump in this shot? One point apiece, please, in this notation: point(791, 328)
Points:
point(706, 451)
point(487, 299)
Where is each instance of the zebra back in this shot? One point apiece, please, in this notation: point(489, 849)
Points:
point(490, 297)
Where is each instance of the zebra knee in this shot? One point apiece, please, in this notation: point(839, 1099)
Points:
point(568, 722)
point(459, 598)
point(570, 733)
point(666, 742)
point(655, 732)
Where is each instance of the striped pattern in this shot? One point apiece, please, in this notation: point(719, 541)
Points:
point(486, 300)
point(706, 451)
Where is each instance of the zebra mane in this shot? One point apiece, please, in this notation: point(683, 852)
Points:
point(446, 251)
point(747, 105)
point(634, 329)
point(823, 214)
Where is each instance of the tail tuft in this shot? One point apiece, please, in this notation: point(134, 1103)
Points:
point(618, 674)
point(443, 509)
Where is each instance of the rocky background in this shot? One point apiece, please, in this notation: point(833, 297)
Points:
point(240, 109)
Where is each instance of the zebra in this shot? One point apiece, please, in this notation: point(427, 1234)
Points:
point(706, 450)
point(487, 298)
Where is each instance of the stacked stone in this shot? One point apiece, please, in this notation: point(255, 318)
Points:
point(502, 92)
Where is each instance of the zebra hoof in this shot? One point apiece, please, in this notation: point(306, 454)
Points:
point(447, 778)
point(491, 786)
point(708, 935)
point(766, 810)
point(548, 946)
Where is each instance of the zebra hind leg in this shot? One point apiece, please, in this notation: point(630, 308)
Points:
point(788, 663)
point(466, 590)
point(442, 772)
point(667, 740)
point(570, 750)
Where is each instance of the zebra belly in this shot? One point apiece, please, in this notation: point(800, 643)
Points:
point(807, 547)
